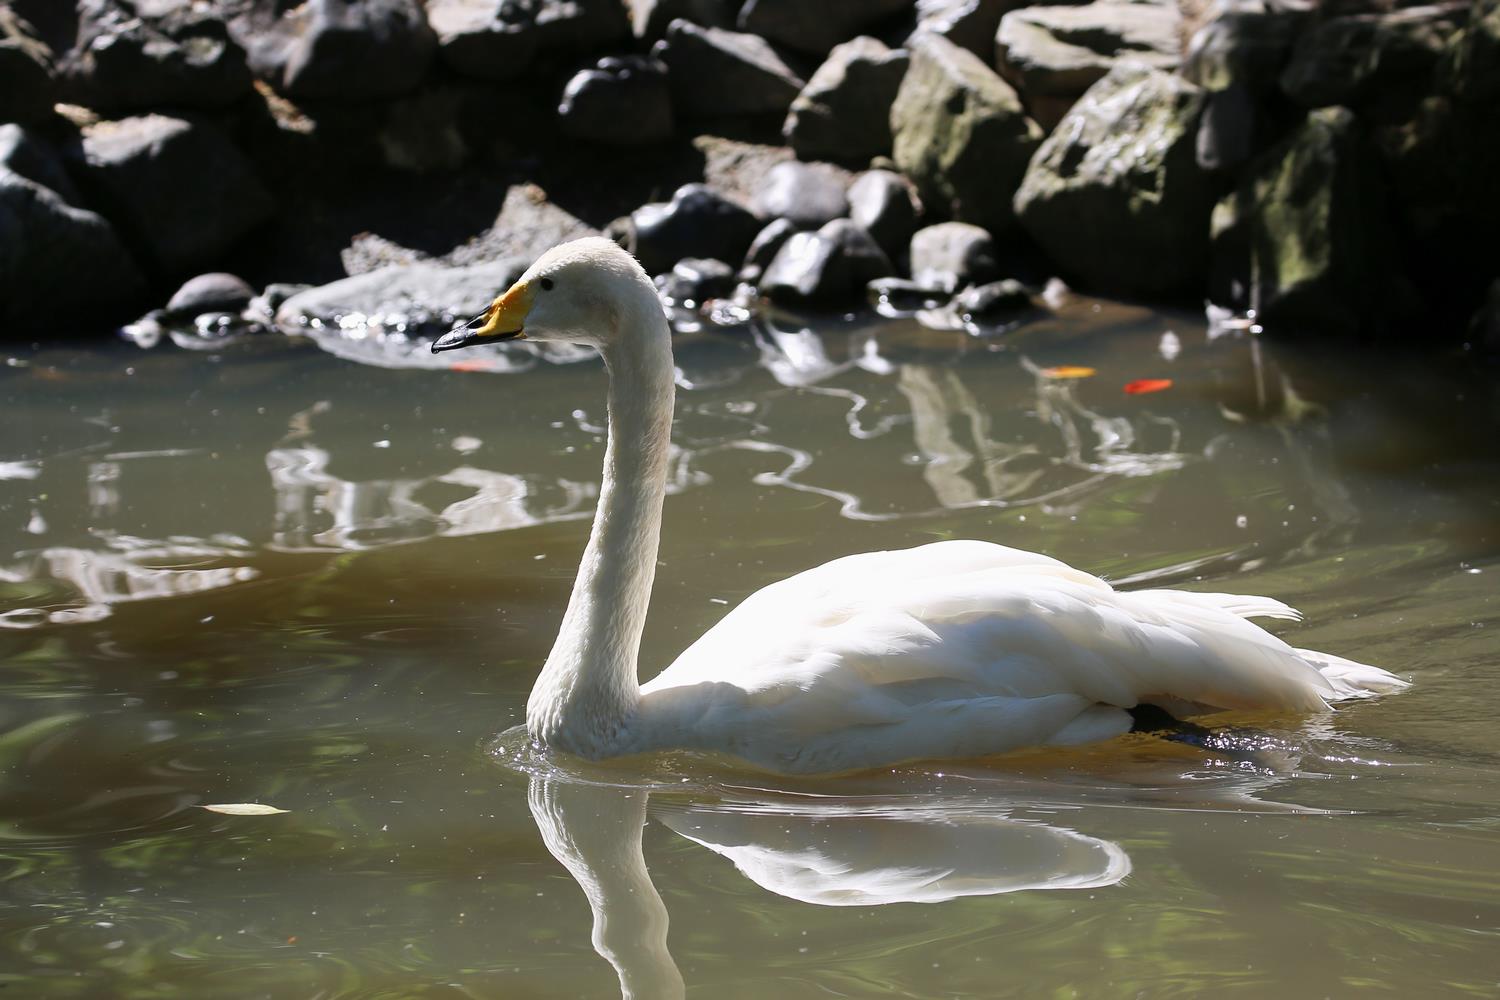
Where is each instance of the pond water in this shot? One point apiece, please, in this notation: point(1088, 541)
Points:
point(271, 574)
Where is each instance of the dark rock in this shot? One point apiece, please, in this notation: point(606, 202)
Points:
point(339, 50)
point(1115, 195)
point(950, 255)
point(808, 194)
point(178, 189)
point(1054, 54)
point(23, 152)
point(969, 24)
point(1237, 58)
point(133, 57)
point(57, 261)
point(881, 202)
point(215, 292)
point(697, 222)
point(422, 131)
point(649, 18)
point(829, 267)
point(1354, 60)
point(716, 72)
point(994, 303)
point(960, 134)
point(1484, 327)
point(767, 243)
point(416, 298)
point(498, 39)
point(1307, 235)
point(624, 100)
point(1471, 72)
point(27, 91)
point(844, 113)
point(696, 279)
point(815, 27)
point(484, 39)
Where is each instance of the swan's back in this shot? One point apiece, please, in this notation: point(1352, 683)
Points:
point(964, 648)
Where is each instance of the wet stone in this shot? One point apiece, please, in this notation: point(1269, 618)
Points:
point(717, 72)
point(339, 50)
point(883, 204)
point(697, 222)
point(135, 58)
point(623, 100)
point(951, 255)
point(994, 303)
point(808, 194)
point(696, 280)
point(829, 267)
point(216, 292)
point(179, 189)
point(902, 297)
point(844, 113)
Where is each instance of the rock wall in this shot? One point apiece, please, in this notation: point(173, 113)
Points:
point(1327, 166)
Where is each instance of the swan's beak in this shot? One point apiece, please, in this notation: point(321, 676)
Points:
point(505, 319)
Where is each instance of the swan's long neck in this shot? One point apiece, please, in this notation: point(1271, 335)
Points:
point(588, 691)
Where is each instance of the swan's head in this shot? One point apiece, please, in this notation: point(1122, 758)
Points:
point(583, 292)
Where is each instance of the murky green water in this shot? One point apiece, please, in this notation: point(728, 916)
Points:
point(272, 575)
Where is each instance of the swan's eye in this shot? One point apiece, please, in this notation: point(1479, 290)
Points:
point(546, 284)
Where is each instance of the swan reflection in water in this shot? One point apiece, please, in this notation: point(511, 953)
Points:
point(893, 837)
point(827, 851)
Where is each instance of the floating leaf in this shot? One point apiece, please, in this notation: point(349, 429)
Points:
point(1068, 371)
point(244, 809)
point(1144, 385)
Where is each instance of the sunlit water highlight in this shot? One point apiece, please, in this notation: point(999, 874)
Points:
point(323, 579)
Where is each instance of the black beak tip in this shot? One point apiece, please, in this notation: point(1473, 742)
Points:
point(452, 340)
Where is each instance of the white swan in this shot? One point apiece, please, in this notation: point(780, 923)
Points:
point(953, 649)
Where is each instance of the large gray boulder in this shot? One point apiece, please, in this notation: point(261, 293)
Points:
point(135, 57)
point(57, 260)
point(179, 190)
point(829, 267)
point(1304, 240)
point(418, 298)
point(960, 133)
point(1115, 195)
point(1053, 54)
point(27, 91)
point(622, 101)
point(843, 115)
point(717, 72)
point(499, 39)
point(815, 27)
point(339, 50)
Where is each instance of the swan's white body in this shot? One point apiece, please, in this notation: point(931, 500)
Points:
point(948, 650)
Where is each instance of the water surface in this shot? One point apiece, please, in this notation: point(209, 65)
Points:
point(274, 573)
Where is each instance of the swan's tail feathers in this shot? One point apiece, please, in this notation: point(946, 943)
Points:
point(1241, 605)
point(1352, 680)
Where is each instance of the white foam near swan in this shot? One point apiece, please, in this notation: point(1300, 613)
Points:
point(949, 650)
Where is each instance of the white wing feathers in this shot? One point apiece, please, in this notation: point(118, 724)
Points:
point(964, 648)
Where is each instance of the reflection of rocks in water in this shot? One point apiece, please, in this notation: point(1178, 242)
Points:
point(82, 585)
point(317, 510)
